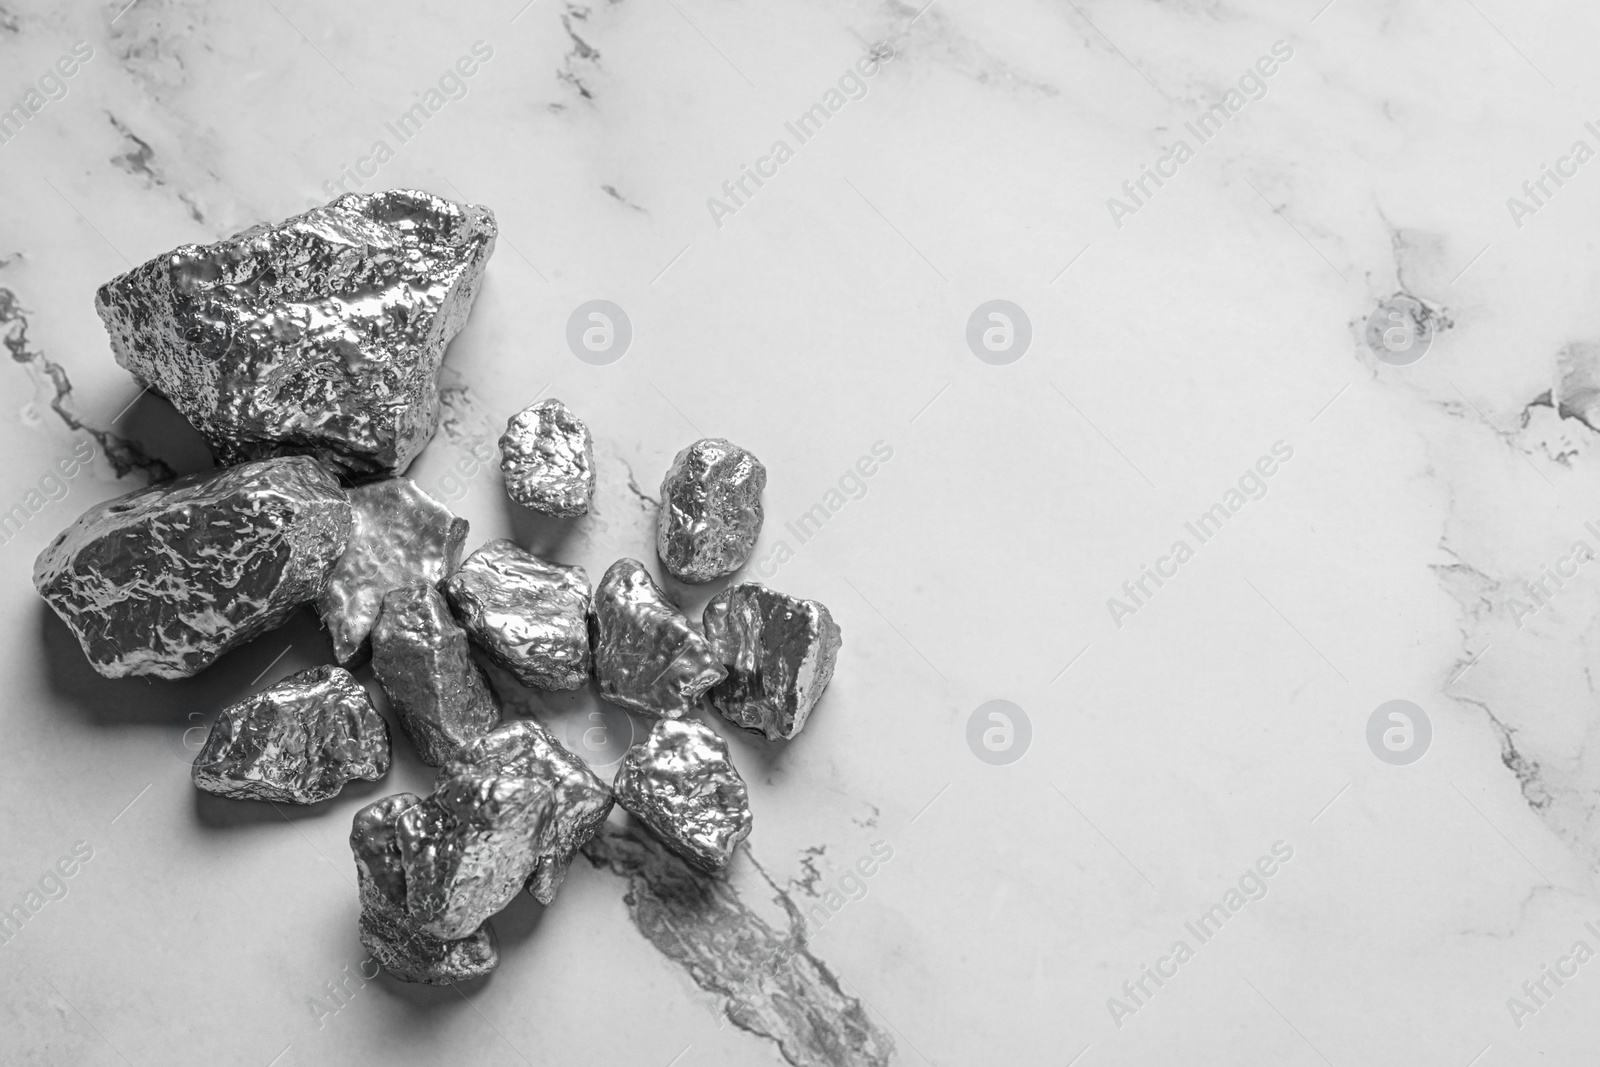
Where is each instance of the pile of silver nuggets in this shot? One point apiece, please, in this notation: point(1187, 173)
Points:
point(308, 355)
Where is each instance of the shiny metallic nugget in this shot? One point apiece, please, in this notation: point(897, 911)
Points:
point(421, 659)
point(779, 652)
point(468, 849)
point(547, 458)
point(399, 535)
point(710, 510)
point(166, 579)
point(528, 616)
point(298, 741)
point(582, 800)
point(322, 334)
point(680, 783)
point(647, 655)
point(386, 927)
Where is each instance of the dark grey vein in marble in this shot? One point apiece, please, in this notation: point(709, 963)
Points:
point(774, 987)
point(125, 455)
point(583, 56)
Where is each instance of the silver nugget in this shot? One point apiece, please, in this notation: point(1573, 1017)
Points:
point(297, 742)
point(528, 616)
point(422, 661)
point(387, 929)
point(547, 458)
point(779, 653)
point(647, 655)
point(166, 579)
point(710, 510)
point(400, 535)
point(680, 783)
point(469, 848)
point(322, 334)
point(582, 801)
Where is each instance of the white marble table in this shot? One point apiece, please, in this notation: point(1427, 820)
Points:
point(1181, 743)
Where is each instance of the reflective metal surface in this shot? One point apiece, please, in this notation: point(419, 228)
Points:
point(322, 334)
point(166, 579)
point(297, 742)
point(547, 458)
point(710, 510)
point(398, 535)
point(528, 616)
point(647, 655)
point(681, 784)
point(779, 652)
point(386, 927)
point(467, 849)
point(582, 801)
point(420, 657)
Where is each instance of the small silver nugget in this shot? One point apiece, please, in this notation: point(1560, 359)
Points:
point(547, 458)
point(680, 783)
point(779, 652)
point(710, 510)
point(297, 742)
point(647, 655)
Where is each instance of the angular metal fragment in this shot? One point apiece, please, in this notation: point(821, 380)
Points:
point(298, 741)
point(680, 783)
point(322, 334)
point(387, 929)
point(467, 849)
point(547, 457)
point(421, 659)
point(647, 655)
point(779, 652)
point(528, 616)
point(399, 535)
point(710, 510)
point(582, 801)
point(166, 579)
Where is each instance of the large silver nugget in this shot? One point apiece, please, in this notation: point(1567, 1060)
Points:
point(547, 458)
point(387, 929)
point(779, 652)
point(710, 510)
point(647, 655)
point(528, 616)
point(680, 783)
point(400, 535)
point(322, 334)
point(298, 741)
point(421, 658)
point(469, 848)
point(582, 800)
point(166, 579)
